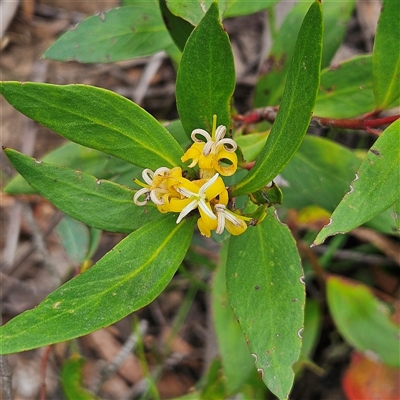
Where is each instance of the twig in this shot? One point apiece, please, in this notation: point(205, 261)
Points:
point(5, 373)
point(126, 349)
point(12, 236)
point(43, 370)
point(38, 239)
point(368, 122)
point(383, 243)
point(19, 272)
point(147, 76)
point(349, 255)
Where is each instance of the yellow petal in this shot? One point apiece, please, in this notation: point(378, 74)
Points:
point(223, 198)
point(217, 188)
point(225, 155)
point(233, 229)
point(177, 205)
point(193, 153)
point(205, 223)
point(207, 162)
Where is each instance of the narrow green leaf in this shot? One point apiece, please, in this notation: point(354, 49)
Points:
point(375, 188)
point(71, 379)
point(97, 118)
point(346, 89)
point(74, 237)
point(337, 14)
point(178, 28)
point(81, 158)
point(386, 56)
point(320, 172)
point(236, 359)
point(237, 8)
point(251, 144)
point(99, 203)
point(271, 84)
point(206, 76)
point(267, 294)
point(396, 210)
point(127, 278)
point(312, 328)
point(296, 108)
point(116, 35)
point(70, 155)
point(94, 242)
point(193, 10)
point(363, 321)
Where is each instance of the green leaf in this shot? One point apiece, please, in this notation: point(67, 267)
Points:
point(97, 118)
point(74, 237)
point(126, 279)
point(296, 108)
point(116, 35)
point(363, 321)
point(320, 172)
point(206, 76)
point(396, 209)
point(237, 7)
point(266, 291)
point(178, 28)
point(193, 10)
point(375, 188)
point(175, 128)
point(236, 359)
point(94, 242)
point(99, 203)
point(271, 84)
point(386, 56)
point(346, 89)
point(71, 379)
point(312, 328)
point(251, 144)
point(337, 14)
point(78, 157)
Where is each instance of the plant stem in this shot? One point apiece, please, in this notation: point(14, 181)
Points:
point(368, 122)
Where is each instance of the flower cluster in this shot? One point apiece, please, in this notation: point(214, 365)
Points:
point(170, 191)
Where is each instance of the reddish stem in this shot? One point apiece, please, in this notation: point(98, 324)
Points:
point(357, 123)
point(43, 372)
point(368, 122)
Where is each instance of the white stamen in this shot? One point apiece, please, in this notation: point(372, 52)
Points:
point(223, 214)
point(230, 142)
point(148, 176)
point(200, 132)
point(199, 200)
point(190, 207)
point(220, 133)
point(139, 193)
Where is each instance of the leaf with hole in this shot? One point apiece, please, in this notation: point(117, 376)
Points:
point(374, 189)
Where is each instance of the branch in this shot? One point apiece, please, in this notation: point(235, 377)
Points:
point(368, 122)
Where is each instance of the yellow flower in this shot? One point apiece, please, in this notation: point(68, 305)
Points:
point(235, 224)
point(200, 194)
point(159, 186)
point(211, 153)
